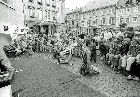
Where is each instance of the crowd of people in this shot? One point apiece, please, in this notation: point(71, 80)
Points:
point(121, 53)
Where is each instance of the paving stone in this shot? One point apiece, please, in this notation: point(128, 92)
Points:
point(110, 83)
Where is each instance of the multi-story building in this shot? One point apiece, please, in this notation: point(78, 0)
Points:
point(73, 21)
point(96, 14)
point(44, 13)
point(128, 12)
point(108, 14)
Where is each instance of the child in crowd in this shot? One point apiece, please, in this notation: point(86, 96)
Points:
point(109, 57)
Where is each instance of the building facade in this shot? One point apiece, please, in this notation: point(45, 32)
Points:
point(128, 12)
point(96, 14)
point(45, 14)
point(108, 14)
point(73, 22)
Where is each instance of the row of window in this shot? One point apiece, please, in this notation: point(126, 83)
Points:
point(111, 21)
point(127, 20)
point(128, 10)
point(34, 14)
point(41, 1)
point(87, 15)
point(95, 22)
point(105, 12)
point(40, 13)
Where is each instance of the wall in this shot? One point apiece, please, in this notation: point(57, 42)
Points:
point(13, 15)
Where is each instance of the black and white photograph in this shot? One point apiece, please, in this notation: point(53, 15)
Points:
point(69, 48)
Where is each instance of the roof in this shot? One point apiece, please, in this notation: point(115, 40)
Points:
point(99, 4)
point(92, 5)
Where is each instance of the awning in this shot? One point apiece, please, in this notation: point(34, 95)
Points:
point(49, 23)
point(31, 23)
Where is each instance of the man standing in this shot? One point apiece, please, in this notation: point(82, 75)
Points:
point(93, 51)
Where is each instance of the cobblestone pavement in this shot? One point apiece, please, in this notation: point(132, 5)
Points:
point(38, 76)
point(108, 82)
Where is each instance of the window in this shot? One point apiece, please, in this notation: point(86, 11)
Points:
point(46, 15)
point(93, 14)
point(72, 22)
point(31, 12)
point(110, 11)
point(102, 13)
point(127, 20)
point(96, 21)
point(103, 21)
point(83, 16)
point(49, 15)
point(76, 16)
point(112, 21)
point(40, 14)
point(121, 11)
point(128, 10)
point(121, 20)
point(135, 9)
point(135, 19)
point(87, 23)
point(82, 23)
